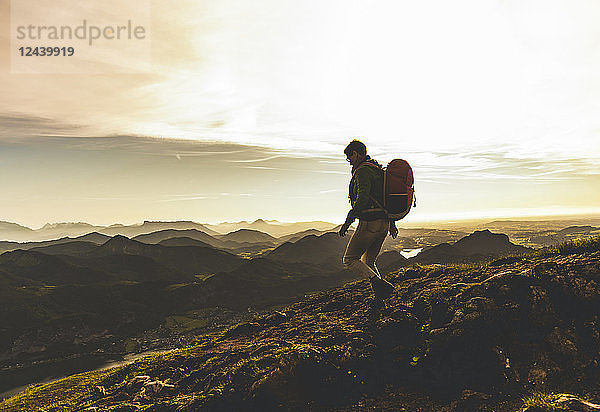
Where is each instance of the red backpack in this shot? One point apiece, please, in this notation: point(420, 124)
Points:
point(398, 189)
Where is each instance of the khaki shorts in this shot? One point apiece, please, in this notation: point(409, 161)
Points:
point(364, 246)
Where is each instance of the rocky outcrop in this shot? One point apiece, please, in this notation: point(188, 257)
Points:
point(479, 246)
point(484, 242)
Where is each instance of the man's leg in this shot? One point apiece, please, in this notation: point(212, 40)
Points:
point(358, 245)
point(381, 287)
point(370, 255)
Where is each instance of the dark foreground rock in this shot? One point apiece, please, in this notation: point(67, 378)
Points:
point(452, 338)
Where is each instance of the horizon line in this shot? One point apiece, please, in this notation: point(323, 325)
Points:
point(432, 220)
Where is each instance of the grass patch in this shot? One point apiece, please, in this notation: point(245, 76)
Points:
point(582, 245)
point(60, 395)
point(544, 401)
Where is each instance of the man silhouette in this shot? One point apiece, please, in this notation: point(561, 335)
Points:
point(366, 197)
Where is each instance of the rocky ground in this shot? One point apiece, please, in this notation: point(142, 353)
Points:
point(507, 335)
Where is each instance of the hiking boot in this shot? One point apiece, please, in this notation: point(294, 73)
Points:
point(381, 287)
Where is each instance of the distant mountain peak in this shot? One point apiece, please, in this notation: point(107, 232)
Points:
point(122, 244)
point(13, 226)
point(94, 233)
point(152, 222)
point(246, 230)
point(64, 225)
point(485, 242)
point(248, 235)
point(117, 239)
point(485, 234)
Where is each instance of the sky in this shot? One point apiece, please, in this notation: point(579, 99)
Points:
point(237, 110)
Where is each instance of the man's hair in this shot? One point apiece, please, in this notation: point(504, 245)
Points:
point(355, 146)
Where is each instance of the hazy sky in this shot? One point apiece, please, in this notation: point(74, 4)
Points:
point(250, 103)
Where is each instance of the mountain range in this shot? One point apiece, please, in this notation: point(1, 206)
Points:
point(76, 296)
point(18, 233)
point(518, 334)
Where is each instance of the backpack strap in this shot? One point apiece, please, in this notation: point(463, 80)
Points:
point(367, 163)
point(381, 207)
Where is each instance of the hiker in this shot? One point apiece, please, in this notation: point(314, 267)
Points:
point(366, 196)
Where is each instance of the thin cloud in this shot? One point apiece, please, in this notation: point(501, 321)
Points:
point(255, 160)
point(181, 198)
point(263, 168)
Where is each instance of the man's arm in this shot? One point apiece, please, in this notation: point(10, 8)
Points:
point(393, 229)
point(363, 182)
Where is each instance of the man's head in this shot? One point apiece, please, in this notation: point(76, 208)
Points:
point(355, 152)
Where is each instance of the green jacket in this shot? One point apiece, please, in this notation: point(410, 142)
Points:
point(367, 182)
